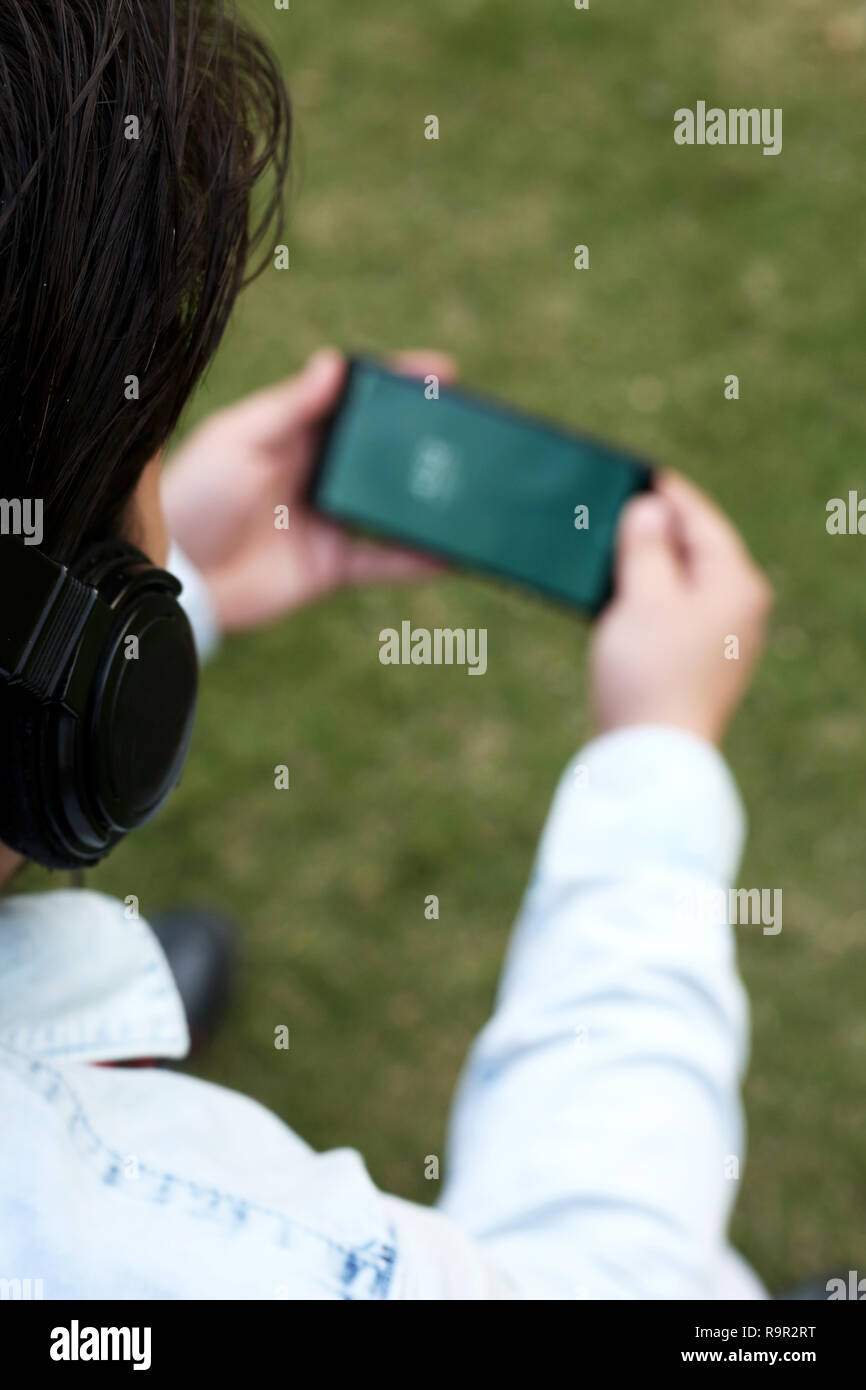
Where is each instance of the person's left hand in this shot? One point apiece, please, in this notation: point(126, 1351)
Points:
point(221, 489)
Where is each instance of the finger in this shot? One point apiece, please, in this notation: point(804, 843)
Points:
point(646, 559)
point(424, 362)
point(308, 398)
point(708, 540)
point(272, 416)
point(280, 412)
point(369, 562)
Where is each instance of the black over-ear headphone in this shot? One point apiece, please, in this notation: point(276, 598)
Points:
point(98, 683)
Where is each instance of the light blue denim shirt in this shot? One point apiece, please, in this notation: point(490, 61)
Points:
point(596, 1139)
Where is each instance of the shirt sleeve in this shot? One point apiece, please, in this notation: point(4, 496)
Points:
point(196, 602)
point(596, 1138)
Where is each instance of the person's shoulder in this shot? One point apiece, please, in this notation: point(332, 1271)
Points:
point(147, 1160)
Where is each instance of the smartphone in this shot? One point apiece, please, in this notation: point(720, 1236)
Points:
point(473, 481)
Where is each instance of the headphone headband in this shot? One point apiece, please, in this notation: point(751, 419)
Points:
point(45, 619)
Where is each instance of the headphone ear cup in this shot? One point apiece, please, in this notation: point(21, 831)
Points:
point(21, 808)
point(95, 562)
point(73, 785)
point(141, 712)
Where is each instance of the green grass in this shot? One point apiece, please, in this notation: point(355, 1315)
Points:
point(556, 128)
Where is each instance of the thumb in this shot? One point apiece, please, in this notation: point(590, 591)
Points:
point(273, 416)
point(645, 557)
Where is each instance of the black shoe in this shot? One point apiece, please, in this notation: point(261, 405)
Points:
point(199, 944)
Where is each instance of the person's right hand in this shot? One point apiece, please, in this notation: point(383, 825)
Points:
point(687, 597)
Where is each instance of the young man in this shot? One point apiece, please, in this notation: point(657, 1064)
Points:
point(597, 1126)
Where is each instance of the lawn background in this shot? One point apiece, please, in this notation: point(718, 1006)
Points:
point(556, 129)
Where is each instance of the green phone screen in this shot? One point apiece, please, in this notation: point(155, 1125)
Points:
point(476, 482)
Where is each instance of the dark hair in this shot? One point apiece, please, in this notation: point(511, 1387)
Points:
point(120, 256)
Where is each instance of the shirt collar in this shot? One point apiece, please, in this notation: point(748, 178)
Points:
point(82, 981)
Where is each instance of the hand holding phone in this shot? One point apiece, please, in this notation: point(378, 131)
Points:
point(678, 645)
point(236, 498)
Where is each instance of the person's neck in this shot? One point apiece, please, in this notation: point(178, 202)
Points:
point(10, 863)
